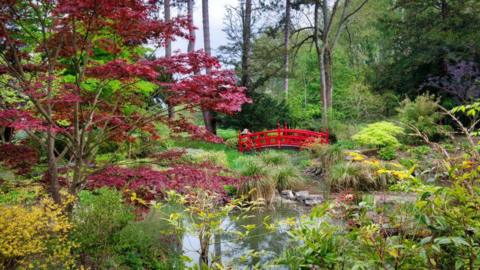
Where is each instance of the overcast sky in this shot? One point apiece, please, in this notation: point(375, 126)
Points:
point(217, 15)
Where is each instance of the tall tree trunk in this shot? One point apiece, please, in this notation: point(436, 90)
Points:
point(287, 39)
point(246, 36)
point(168, 53)
point(191, 42)
point(320, 49)
point(328, 76)
point(324, 87)
point(208, 116)
point(52, 166)
point(325, 65)
point(204, 238)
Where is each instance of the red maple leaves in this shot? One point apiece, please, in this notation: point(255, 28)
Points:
point(19, 158)
point(75, 67)
point(150, 184)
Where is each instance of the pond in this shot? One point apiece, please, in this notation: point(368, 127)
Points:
point(263, 243)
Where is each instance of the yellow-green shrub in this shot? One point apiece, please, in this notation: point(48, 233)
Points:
point(379, 134)
point(34, 237)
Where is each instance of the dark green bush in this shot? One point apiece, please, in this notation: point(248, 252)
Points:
point(420, 151)
point(145, 245)
point(423, 114)
point(98, 217)
point(387, 153)
point(109, 238)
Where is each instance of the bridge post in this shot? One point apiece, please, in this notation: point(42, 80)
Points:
point(279, 138)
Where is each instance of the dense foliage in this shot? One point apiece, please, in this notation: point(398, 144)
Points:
point(380, 134)
point(103, 163)
point(35, 236)
point(84, 76)
point(438, 231)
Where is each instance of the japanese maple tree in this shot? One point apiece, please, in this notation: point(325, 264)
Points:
point(80, 69)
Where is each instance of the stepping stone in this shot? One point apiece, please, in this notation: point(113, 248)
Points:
point(301, 195)
point(288, 194)
point(313, 199)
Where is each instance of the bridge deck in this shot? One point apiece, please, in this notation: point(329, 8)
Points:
point(280, 138)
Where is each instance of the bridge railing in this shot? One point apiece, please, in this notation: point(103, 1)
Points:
point(280, 137)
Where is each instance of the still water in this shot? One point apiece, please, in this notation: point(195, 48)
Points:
point(259, 247)
point(265, 243)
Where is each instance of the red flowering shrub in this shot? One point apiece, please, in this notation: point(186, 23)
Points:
point(149, 184)
point(19, 158)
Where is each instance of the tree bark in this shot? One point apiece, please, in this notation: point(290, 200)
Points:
point(325, 38)
point(168, 53)
point(320, 49)
point(324, 88)
point(208, 116)
point(191, 42)
point(52, 166)
point(204, 239)
point(287, 43)
point(246, 36)
point(328, 76)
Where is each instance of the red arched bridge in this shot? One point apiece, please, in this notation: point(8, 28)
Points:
point(279, 138)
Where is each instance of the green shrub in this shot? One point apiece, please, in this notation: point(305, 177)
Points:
point(358, 176)
point(286, 177)
point(147, 245)
point(449, 147)
point(268, 171)
point(274, 158)
point(387, 153)
point(379, 134)
point(357, 101)
point(326, 154)
point(98, 217)
point(423, 114)
point(259, 186)
point(227, 133)
point(346, 144)
point(251, 167)
point(257, 189)
point(407, 163)
point(420, 151)
point(232, 142)
point(342, 129)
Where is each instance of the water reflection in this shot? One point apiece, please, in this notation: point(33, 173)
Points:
point(260, 246)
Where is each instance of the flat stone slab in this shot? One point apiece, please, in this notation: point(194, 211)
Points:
point(301, 195)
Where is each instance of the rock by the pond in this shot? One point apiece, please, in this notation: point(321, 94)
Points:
point(282, 200)
point(288, 194)
point(312, 200)
point(301, 195)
